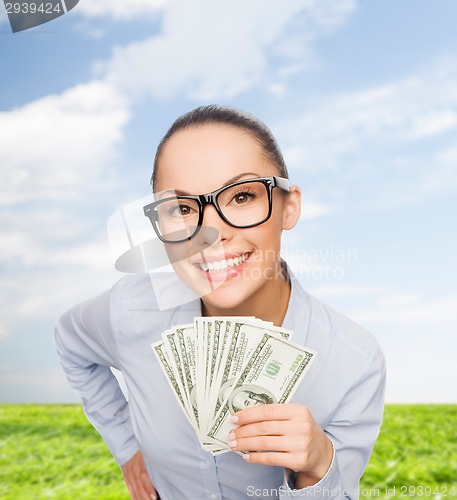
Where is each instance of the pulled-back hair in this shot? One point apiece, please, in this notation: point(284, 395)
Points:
point(226, 115)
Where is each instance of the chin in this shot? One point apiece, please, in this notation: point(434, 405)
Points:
point(228, 290)
point(226, 299)
point(235, 294)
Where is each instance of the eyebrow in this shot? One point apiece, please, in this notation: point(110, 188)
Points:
point(179, 192)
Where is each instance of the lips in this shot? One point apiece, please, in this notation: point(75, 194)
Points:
point(223, 264)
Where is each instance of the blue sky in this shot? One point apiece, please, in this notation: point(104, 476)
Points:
point(362, 97)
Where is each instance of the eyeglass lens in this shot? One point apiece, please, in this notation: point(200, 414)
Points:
point(242, 205)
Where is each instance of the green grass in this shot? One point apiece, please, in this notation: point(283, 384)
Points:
point(417, 446)
point(52, 452)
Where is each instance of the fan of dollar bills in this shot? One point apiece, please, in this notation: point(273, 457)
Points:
point(219, 365)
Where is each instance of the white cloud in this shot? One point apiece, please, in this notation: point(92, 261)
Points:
point(41, 293)
point(48, 293)
point(55, 153)
point(417, 311)
point(421, 375)
point(433, 122)
point(277, 89)
point(417, 335)
point(405, 299)
point(119, 9)
point(441, 176)
point(372, 142)
point(49, 257)
point(347, 290)
point(3, 329)
point(405, 111)
point(57, 144)
point(231, 50)
point(3, 14)
point(313, 210)
point(53, 246)
point(47, 387)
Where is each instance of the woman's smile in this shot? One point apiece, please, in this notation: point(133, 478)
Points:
point(228, 261)
point(219, 269)
point(241, 268)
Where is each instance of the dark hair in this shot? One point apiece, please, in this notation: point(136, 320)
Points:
point(226, 115)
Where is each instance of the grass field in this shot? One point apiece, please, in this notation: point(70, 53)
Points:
point(51, 451)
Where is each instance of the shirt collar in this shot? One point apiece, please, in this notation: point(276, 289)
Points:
point(298, 312)
point(297, 317)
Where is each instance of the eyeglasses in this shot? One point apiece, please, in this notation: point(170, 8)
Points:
point(246, 203)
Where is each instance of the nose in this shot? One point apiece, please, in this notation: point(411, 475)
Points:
point(212, 220)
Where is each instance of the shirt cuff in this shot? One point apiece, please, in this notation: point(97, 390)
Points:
point(327, 487)
point(129, 449)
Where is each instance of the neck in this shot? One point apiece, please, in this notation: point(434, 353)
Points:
point(269, 303)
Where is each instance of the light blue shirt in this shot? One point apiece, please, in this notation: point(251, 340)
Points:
point(344, 390)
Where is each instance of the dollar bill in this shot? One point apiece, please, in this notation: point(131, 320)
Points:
point(244, 336)
point(271, 375)
point(186, 344)
point(206, 362)
point(164, 362)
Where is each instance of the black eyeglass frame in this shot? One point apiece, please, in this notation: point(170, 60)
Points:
point(211, 199)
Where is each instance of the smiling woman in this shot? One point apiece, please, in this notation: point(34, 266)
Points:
point(220, 168)
point(215, 149)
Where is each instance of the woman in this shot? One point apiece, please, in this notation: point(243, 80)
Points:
point(319, 444)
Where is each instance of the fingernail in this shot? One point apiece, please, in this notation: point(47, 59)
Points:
point(232, 444)
point(234, 419)
point(246, 456)
point(154, 497)
point(232, 436)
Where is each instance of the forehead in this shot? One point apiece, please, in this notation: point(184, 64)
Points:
point(201, 159)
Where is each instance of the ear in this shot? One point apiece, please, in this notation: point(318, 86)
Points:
point(292, 208)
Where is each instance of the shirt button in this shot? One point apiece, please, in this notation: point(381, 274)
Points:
point(213, 496)
point(208, 464)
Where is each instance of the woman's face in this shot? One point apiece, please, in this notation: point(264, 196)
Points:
point(200, 160)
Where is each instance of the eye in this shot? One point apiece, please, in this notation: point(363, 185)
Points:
point(180, 210)
point(184, 209)
point(242, 197)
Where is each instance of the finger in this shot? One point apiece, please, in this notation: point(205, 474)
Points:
point(130, 489)
point(131, 485)
point(277, 459)
point(265, 443)
point(264, 428)
point(276, 411)
point(148, 486)
point(134, 485)
point(144, 495)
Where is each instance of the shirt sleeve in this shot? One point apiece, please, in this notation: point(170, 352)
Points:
point(353, 432)
point(86, 347)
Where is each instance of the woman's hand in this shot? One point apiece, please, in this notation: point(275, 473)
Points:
point(136, 478)
point(284, 435)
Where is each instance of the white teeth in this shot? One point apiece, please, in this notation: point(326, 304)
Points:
point(222, 265)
